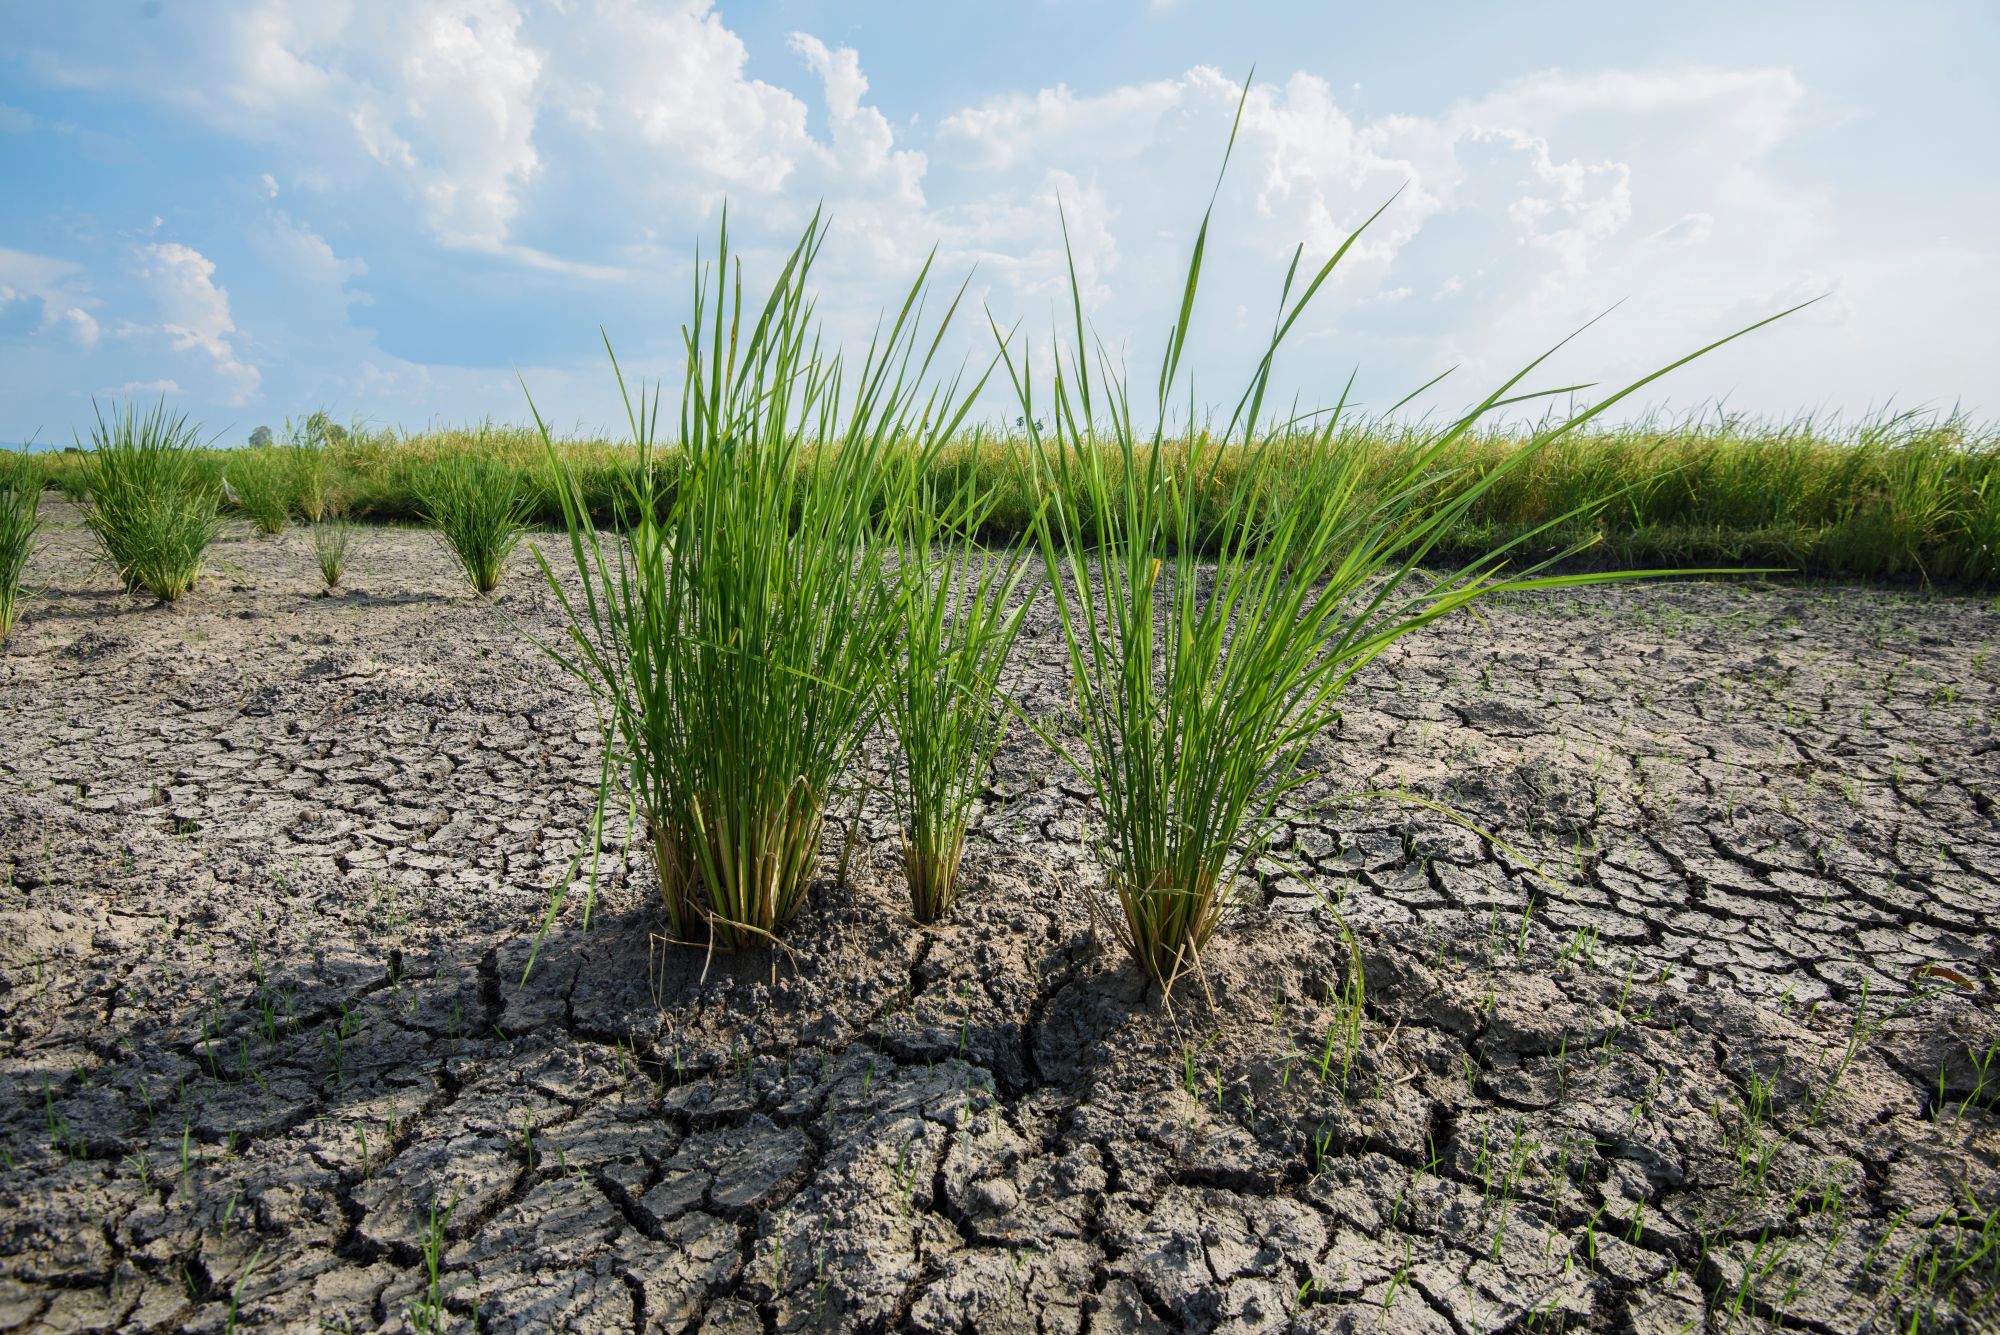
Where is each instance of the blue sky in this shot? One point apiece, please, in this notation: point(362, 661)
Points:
point(263, 207)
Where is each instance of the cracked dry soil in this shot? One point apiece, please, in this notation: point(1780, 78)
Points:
point(272, 865)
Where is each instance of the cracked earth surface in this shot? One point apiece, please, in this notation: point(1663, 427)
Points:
point(272, 867)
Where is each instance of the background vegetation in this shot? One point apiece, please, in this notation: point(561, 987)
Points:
point(1904, 497)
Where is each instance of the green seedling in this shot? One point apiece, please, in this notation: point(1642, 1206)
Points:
point(20, 521)
point(958, 615)
point(732, 631)
point(1198, 689)
point(427, 1314)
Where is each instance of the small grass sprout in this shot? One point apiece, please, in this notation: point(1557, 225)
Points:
point(427, 1312)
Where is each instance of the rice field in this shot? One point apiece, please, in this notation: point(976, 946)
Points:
point(1911, 498)
point(819, 864)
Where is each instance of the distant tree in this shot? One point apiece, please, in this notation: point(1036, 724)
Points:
point(261, 436)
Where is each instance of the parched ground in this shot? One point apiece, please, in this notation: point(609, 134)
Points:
point(272, 867)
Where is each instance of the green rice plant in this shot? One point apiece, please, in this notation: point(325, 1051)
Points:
point(1905, 496)
point(330, 537)
point(426, 1312)
point(308, 455)
point(20, 520)
point(1198, 690)
point(70, 471)
point(474, 501)
point(733, 629)
point(959, 617)
point(259, 483)
point(1982, 527)
point(152, 499)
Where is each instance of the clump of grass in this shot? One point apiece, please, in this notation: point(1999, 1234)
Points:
point(1200, 690)
point(20, 520)
point(152, 499)
point(330, 537)
point(959, 619)
point(474, 501)
point(309, 450)
point(733, 630)
point(69, 471)
point(260, 485)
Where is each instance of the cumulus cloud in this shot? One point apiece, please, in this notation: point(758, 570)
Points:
point(529, 127)
point(864, 147)
point(1752, 110)
point(308, 255)
point(1525, 210)
point(442, 94)
point(664, 88)
point(195, 312)
point(81, 325)
point(57, 286)
point(593, 140)
point(646, 109)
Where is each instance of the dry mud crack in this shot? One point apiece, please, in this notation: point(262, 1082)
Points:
point(272, 864)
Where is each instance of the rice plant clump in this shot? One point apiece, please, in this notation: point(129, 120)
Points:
point(308, 452)
point(330, 538)
point(733, 630)
point(259, 482)
point(1199, 690)
point(20, 520)
point(152, 500)
point(959, 617)
point(475, 503)
point(71, 474)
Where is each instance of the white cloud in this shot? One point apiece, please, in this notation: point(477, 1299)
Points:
point(81, 325)
point(592, 139)
point(467, 104)
point(649, 106)
point(663, 88)
point(1007, 131)
point(441, 94)
point(1690, 229)
point(306, 254)
point(864, 147)
point(195, 312)
point(1530, 209)
point(1752, 110)
point(57, 286)
point(135, 387)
